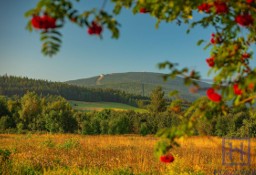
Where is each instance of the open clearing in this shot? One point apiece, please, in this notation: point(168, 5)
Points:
point(106, 155)
point(98, 106)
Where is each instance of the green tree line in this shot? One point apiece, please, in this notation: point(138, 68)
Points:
point(54, 114)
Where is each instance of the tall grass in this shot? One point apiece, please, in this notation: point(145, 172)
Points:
point(127, 155)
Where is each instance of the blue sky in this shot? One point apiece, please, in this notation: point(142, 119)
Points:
point(140, 47)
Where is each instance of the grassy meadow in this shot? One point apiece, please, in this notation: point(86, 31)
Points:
point(107, 155)
point(99, 106)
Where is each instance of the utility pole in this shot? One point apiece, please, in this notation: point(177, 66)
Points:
point(143, 89)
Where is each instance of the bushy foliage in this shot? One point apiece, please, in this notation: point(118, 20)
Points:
point(55, 115)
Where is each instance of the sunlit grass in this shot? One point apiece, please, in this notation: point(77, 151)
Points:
point(99, 106)
point(130, 154)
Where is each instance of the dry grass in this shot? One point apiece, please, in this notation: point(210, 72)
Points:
point(130, 154)
point(204, 154)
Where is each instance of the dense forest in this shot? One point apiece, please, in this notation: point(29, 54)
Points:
point(11, 85)
point(34, 113)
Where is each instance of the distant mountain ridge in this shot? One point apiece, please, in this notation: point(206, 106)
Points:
point(139, 83)
point(12, 85)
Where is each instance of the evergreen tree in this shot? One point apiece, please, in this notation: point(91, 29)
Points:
point(158, 103)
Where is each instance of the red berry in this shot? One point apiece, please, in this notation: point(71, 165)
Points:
point(205, 7)
point(44, 22)
point(221, 7)
point(90, 31)
point(213, 96)
point(213, 41)
point(94, 29)
point(98, 30)
point(246, 55)
point(36, 22)
point(210, 91)
point(249, 1)
point(143, 10)
point(48, 22)
point(237, 91)
point(167, 158)
point(210, 61)
point(244, 19)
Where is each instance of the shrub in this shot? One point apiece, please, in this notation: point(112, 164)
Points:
point(119, 125)
point(144, 130)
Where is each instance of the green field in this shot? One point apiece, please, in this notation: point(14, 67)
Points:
point(98, 106)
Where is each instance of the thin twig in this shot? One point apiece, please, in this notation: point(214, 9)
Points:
point(246, 100)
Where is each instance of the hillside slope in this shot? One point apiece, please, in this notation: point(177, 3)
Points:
point(139, 83)
point(11, 85)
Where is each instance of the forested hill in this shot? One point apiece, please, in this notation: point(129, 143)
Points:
point(11, 85)
point(139, 83)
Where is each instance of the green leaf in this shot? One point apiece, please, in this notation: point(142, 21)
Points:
point(51, 43)
point(29, 26)
point(206, 47)
point(157, 24)
point(29, 13)
point(200, 42)
point(56, 33)
point(117, 9)
point(44, 37)
point(55, 39)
